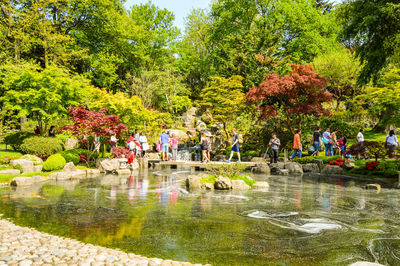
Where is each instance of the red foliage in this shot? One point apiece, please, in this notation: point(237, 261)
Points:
point(302, 92)
point(90, 123)
point(371, 165)
point(119, 151)
point(338, 161)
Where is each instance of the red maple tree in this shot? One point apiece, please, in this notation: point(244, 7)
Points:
point(291, 97)
point(88, 124)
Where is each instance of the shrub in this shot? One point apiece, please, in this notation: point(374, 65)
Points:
point(310, 159)
point(7, 158)
point(15, 140)
point(54, 162)
point(63, 136)
point(389, 168)
point(19, 167)
point(371, 166)
point(228, 170)
point(119, 151)
point(338, 162)
point(42, 147)
point(375, 148)
point(250, 154)
point(211, 179)
point(71, 156)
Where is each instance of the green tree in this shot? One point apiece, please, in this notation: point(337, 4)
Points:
point(341, 70)
point(373, 29)
point(383, 100)
point(41, 94)
point(224, 99)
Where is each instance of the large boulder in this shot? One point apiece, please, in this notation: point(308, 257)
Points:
point(207, 186)
point(257, 160)
point(69, 167)
point(261, 167)
point(77, 174)
point(27, 166)
point(10, 172)
point(21, 181)
point(332, 170)
point(261, 185)
point(33, 158)
point(320, 163)
point(37, 168)
point(239, 185)
point(347, 165)
point(71, 143)
point(180, 134)
point(193, 181)
point(294, 168)
point(207, 117)
point(223, 183)
point(310, 168)
point(109, 165)
point(92, 172)
point(124, 172)
point(189, 117)
point(276, 168)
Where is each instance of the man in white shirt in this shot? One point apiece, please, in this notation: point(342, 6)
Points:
point(360, 135)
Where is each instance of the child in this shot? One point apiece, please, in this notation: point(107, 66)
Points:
point(342, 145)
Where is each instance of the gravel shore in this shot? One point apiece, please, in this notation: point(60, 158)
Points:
point(25, 246)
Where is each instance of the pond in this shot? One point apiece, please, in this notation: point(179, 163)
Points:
point(298, 221)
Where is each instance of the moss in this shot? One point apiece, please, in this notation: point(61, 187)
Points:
point(211, 179)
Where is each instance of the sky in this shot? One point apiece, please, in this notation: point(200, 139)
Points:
point(181, 8)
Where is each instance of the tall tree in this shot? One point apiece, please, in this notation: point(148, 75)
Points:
point(373, 29)
point(341, 70)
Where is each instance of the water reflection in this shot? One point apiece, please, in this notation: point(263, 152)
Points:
point(299, 221)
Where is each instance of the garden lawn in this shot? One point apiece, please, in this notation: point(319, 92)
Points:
point(369, 135)
point(8, 178)
point(10, 153)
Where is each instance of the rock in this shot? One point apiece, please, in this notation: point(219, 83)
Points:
point(365, 263)
point(134, 165)
point(152, 156)
point(124, 172)
point(258, 160)
point(189, 117)
point(92, 172)
point(71, 144)
point(276, 167)
point(320, 163)
point(180, 134)
point(78, 174)
point(261, 185)
point(294, 168)
point(109, 165)
point(21, 181)
point(37, 168)
point(25, 263)
point(32, 158)
point(310, 168)
point(373, 186)
point(193, 181)
point(222, 183)
point(262, 168)
point(10, 172)
point(207, 186)
point(69, 167)
point(239, 185)
point(218, 145)
point(332, 170)
point(27, 166)
point(347, 165)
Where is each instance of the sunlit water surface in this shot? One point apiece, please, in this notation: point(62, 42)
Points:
point(298, 221)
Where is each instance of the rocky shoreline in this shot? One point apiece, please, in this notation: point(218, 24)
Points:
point(25, 246)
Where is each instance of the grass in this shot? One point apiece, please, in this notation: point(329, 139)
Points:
point(211, 179)
point(369, 135)
point(10, 153)
point(8, 178)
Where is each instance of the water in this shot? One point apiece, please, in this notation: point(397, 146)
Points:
point(298, 221)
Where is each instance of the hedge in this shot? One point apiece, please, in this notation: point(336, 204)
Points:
point(42, 147)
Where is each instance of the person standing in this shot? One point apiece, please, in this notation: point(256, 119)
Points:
point(335, 144)
point(297, 145)
point(360, 139)
point(174, 146)
point(360, 135)
point(343, 146)
point(391, 143)
point(326, 139)
point(164, 139)
point(274, 143)
point(52, 132)
point(143, 143)
point(113, 141)
point(97, 142)
point(235, 146)
point(204, 147)
point(37, 130)
point(209, 148)
point(316, 140)
point(137, 135)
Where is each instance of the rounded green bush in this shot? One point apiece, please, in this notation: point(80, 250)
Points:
point(71, 156)
point(15, 140)
point(42, 147)
point(54, 162)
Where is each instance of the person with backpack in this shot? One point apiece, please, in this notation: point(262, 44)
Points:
point(235, 145)
point(297, 145)
point(326, 139)
point(316, 141)
point(274, 143)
